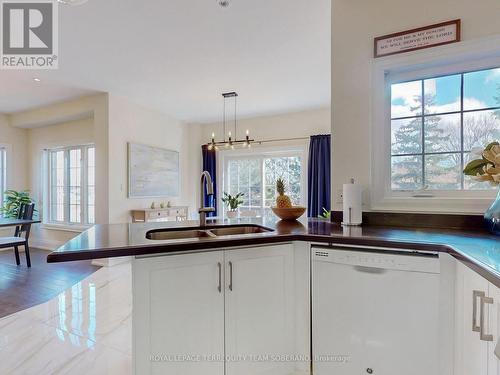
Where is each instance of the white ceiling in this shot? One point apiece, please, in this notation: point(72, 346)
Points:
point(178, 56)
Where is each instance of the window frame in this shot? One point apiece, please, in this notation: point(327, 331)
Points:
point(84, 192)
point(3, 173)
point(261, 153)
point(453, 59)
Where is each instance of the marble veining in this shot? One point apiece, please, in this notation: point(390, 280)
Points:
point(87, 329)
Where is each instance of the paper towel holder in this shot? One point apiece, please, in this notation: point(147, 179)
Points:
point(348, 222)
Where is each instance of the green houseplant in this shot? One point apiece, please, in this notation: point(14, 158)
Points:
point(232, 202)
point(13, 200)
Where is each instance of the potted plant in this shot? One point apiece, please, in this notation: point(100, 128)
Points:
point(486, 167)
point(12, 202)
point(232, 203)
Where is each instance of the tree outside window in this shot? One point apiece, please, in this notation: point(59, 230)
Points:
point(436, 122)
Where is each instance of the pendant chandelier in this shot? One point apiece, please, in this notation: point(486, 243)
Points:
point(233, 140)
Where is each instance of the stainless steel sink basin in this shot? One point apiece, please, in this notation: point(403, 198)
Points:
point(177, 234)
point(236, 230)
point(204, 233)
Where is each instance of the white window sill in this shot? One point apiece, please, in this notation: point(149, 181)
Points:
point(77, 228)
point(458, 205)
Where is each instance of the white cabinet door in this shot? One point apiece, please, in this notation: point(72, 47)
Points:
point(471, 354)
point(260, 310)
point(493, 329)
point(178, 315)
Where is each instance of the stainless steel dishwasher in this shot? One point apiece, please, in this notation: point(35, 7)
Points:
point(375, 312)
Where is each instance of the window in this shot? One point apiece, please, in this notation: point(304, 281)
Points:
point(3, 173)
point(72, 185)
point(255, 176)
point(436, 123)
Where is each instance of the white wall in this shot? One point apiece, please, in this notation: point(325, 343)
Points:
point(354, 25)
point(129, 122)
point(16, 143)
point(289, 125)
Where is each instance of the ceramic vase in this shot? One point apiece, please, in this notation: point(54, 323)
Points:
point(492, 216)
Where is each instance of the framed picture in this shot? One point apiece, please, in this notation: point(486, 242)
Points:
point(152, 172)
point(424, 37)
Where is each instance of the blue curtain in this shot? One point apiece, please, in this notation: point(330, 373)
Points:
point(210, 165)
point(319, 179)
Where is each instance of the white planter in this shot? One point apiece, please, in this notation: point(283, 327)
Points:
point(232, 214)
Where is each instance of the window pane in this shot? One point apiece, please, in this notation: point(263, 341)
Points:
point(482, 89)
point(57, 181)
point(406, 173)
point(406, 99)
point(245, 177)
point(75, 198)
point(287, 168)
point(3, 172)
point(91, 185)
point(442, 94)
point(406, 136)
point(442, 133)
point(481, 128)
point(443, 172)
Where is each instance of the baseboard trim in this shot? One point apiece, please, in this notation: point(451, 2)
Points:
point(45, 244)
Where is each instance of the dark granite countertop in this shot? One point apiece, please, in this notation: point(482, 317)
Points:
point(477, 249)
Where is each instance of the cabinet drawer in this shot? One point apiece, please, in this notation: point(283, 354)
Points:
point(152, 215)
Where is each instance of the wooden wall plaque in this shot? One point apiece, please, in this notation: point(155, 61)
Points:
point(424, 37)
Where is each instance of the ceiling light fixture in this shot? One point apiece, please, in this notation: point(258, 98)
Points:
point(37, 79)
point(231, 142)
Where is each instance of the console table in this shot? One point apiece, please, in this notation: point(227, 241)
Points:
point(178, 213)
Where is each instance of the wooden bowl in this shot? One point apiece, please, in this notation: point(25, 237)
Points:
point(292, 213)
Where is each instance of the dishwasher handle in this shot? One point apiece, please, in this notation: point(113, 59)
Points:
point(370, 270)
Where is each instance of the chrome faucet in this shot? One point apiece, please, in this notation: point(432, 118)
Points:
point(205, 176)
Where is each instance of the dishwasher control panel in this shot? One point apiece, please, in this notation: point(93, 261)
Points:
point(410, 261)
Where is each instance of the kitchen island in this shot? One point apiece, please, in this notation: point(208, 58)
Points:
point(479, 250)
point(235, 297)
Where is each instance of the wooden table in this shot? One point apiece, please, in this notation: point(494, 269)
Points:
point(6, 222)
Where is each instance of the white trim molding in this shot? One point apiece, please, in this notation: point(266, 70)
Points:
point(471, 55)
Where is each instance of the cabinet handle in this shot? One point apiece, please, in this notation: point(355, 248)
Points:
point(475, 295)
point(219, 288)
point(231, 276)
point(484, 336)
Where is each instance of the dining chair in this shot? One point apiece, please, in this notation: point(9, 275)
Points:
point(22, 233)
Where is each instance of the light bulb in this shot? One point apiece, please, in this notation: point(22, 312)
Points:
point(248, 132)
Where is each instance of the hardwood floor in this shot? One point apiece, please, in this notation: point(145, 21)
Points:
point(22, 287)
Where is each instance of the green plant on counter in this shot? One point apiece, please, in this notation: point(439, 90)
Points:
point(12, 202)
point(232, 202)
point(326, 214)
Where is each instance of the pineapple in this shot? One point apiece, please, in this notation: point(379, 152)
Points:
point(282, 200)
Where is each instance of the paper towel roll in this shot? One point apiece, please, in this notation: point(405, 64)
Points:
point(352, 197)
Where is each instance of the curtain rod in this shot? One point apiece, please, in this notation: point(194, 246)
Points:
point(283, 140)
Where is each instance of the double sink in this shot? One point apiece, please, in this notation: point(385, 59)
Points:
point(204, 232)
